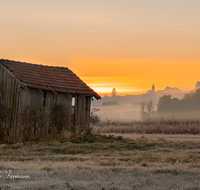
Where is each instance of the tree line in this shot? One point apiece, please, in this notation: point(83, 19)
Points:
point(172, 108)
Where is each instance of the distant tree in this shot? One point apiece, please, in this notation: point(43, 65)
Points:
point(191, 101)
point(168, 107)
point(142, 106)
point(186, 108)
point(147, 109)
point(149, 106)
point(164, 104)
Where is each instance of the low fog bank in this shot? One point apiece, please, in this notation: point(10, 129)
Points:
point(119, 112)
point(151, 108)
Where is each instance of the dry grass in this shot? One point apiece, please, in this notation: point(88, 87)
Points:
point(110, 163)
point(173, 137)
point(149, 127)
point(70, 176)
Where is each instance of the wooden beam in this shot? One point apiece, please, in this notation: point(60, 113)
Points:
point(87, 113)
point(1, 99)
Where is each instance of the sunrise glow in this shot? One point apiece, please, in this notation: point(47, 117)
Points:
point(127, 45)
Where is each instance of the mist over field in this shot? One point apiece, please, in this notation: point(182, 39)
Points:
point(170, 103)
point(119, 112)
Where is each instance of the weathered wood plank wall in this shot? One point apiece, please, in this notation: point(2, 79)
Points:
point(82, 112)
point(10, 91)
point(61, 99)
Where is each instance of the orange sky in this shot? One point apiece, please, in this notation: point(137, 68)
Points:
point(136, 76)
point(127, 45)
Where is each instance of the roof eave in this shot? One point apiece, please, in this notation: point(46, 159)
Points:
point(97, 96)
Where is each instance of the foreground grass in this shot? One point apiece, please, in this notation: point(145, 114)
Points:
point(68, 176)
point(110, 163)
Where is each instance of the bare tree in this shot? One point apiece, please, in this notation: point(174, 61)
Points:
point(146, 109)
point(144, 114)
point(149, 106)
point(142, 106)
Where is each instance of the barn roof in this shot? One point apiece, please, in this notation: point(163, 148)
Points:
point(59, 79)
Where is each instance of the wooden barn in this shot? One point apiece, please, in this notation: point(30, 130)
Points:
point(26, 88)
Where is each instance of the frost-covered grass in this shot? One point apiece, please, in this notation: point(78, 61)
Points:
point(112, 163)
point(69, 176)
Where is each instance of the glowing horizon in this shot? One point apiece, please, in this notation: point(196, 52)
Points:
point(127, 45)
point(134, 86)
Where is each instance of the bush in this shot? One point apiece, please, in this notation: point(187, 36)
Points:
point(94, 118)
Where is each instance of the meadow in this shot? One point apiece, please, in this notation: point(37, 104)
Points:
point(106, 159)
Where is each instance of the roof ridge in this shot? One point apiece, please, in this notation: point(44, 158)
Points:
point(33, 63)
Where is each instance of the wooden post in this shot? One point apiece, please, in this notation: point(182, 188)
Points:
point(76, 116)
point(83, 109)
point(78, 112)
point(87, 111)
point(69, 109)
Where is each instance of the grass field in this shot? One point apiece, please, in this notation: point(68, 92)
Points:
point(136, 162)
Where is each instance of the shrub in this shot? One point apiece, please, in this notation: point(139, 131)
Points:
point(94, 118)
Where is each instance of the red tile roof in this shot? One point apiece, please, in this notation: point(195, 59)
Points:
point(59, 79)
